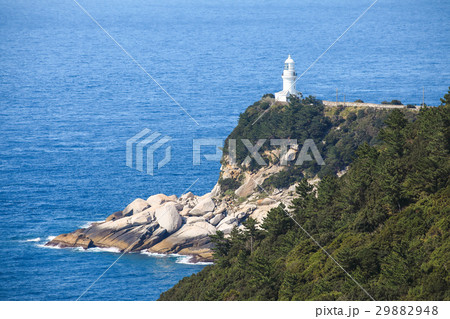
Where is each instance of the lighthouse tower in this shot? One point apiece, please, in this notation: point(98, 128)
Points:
point(289, 76)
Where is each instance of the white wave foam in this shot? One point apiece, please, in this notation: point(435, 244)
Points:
point(180, 259)
point(89, 224)
point(59, 247)
point(81, 249)
point(51, 247)
point(186, 259)
point(157, 255)
point(103, 250)
point(183, 260)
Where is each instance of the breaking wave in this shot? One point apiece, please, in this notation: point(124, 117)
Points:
point(186, 260)
point(89, 224)
point(157, 255)
point(103, 250)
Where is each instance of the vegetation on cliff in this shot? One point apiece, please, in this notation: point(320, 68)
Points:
point(386, 221)
point(337, 133)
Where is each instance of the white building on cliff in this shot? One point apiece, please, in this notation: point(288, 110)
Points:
point(289, 77)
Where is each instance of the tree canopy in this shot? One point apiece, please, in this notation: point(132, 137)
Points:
point(386, 222)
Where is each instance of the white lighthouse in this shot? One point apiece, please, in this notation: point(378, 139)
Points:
point(289, 76)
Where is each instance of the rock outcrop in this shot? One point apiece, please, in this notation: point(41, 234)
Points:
point(168, 217)
point(167, 224)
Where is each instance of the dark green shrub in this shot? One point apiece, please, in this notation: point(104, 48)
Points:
point(228, 184)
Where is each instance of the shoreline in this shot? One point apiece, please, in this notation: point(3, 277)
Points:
point(189, 259)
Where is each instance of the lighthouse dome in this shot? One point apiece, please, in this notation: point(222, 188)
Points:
point(289, 60)
point(289, 78)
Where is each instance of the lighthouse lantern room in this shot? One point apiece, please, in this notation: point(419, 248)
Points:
point(289, 78)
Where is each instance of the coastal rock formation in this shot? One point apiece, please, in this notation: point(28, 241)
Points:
point(167, 224)
point(136, 206)
point(75, 239)
point(205, 205)
point(190, 235)
point(168, 217)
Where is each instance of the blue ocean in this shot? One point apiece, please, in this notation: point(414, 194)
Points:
point(70, 98)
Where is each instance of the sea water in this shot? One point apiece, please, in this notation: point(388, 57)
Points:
point(70, 98)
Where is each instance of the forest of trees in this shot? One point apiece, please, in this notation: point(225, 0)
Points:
point(386, 222)
point(337, 135)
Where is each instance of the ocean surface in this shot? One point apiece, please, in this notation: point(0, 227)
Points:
point(70, 98)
